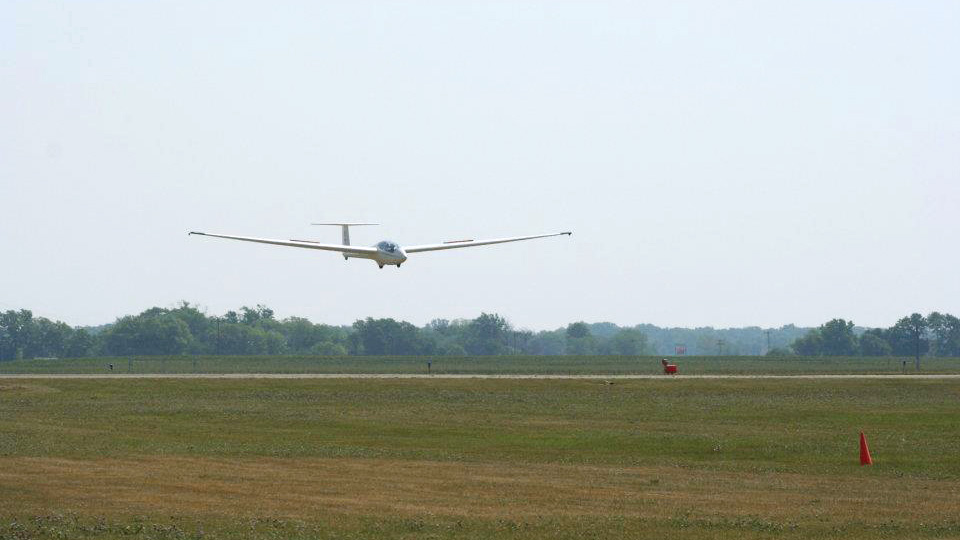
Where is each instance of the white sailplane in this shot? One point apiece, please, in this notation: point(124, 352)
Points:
point(384, 252)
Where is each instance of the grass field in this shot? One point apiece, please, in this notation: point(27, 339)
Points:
point(478, 459)
point(605, 365)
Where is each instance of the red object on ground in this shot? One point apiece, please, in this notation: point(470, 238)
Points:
point(865, 458)
point(669, 369)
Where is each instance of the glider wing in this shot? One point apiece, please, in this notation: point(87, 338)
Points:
point(307, 244)
point(471, 243)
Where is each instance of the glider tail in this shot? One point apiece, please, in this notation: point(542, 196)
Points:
point(345, 228)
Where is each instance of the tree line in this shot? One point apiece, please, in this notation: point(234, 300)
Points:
point(188, 330)
point(937, 334)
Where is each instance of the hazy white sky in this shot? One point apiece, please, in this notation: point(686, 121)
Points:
point(722, 164)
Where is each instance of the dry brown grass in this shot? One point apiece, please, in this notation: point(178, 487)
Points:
point(308, 488)
point(477, 459)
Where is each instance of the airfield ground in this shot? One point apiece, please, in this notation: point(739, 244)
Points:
point(485, 365)
point(478, 458)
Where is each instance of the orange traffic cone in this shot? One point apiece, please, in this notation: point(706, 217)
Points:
point(865, 458)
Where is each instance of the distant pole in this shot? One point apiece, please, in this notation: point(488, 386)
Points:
point(768, 340)
point(917, 343)
point(719, 347)
point(218, 336)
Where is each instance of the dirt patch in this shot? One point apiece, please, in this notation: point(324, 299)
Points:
point(307, 488)
point(26, 389)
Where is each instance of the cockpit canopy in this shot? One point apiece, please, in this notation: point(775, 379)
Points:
point(388, 246)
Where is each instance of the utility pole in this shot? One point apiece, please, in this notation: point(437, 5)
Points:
point(719, 347)
point(917, 343)
point(768, 340)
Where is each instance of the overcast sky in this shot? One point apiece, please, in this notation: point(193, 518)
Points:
point(720, 163)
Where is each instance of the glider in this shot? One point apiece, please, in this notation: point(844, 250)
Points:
point(384, 252)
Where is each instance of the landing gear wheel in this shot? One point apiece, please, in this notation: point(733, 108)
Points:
point(381, 267)
point(398, 266)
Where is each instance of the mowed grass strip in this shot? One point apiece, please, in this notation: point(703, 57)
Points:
point(371, 457)
point(762, 425)
point(503, 365)
point(304, 488)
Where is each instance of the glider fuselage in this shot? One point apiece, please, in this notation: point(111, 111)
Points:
point(388, 253)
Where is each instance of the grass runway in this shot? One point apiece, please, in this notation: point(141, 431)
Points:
point(478, 458)
point(481, 365)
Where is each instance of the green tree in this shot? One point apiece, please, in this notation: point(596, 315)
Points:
point(5, 341)
point(302, 335)
point(809, 345)
point(80, 344)
point(123, 337)
point(235, 339)
point(196, 320)
point(908, 337)
point(705, 342)
point(440, 326)
point(872, 343)
point(273, 342)
point(17, 333)
point(153, 332)
point(260, 315)
point(47, 339)
point(578, 330)
point(486, 335)
point(945, 331)
point(242, 339)
point(628, 342)
point(387, 336)
point(579, 339)
point(837, 338)
point(164, 334)
point(547, 342)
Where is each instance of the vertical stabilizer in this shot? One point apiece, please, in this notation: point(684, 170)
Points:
point(345, 229)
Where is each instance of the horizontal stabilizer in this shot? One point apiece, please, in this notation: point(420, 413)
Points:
point(345, 229)
point(346, 224)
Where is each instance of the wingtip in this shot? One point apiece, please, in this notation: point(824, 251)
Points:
point(194, 232)
point(568, 233)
